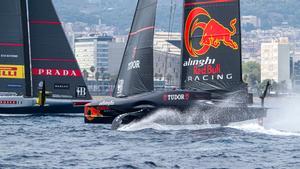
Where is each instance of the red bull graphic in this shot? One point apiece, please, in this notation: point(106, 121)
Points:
point(214, 33)
point(211, 45)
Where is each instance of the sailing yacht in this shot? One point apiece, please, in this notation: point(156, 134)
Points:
point(38, 70)
point(211, 77)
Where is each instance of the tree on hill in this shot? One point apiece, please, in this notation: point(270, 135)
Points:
point(251, 71)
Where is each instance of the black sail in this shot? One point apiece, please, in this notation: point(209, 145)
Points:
point(51, 54)
point(13, 47)
point(211, 55)
point(136, 72)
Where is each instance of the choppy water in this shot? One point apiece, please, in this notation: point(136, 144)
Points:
point(66, 142)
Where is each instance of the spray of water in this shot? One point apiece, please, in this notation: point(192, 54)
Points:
point(284, 114)
point(192, 119)
point(168, 119)
point(283, 119)
point(253, 127)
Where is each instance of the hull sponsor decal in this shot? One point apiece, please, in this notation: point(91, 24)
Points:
point(9, 102)
point(106, 103)
point(176, 97)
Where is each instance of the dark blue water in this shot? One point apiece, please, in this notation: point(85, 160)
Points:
point(66, 142)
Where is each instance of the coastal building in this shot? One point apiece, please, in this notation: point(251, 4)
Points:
point(166, 58)
point(92, 51)
point(92, 54)
point(68, 28)
point(275, 61)
point(105, 53)
point(103, 87)
point(254, 21)
point(162, 42)
point(167, 69)
point(115, 54)
point(296, 70)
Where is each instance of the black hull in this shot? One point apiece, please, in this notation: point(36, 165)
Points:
point(52, 106)
point(224, 117)
point(210, 111)
point(38, 110)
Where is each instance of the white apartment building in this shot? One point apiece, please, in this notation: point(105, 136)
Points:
point(253, 20)
point(275, 60)
point(166, 57)
point(116, 51)
point(93, 52)
point(162, 44)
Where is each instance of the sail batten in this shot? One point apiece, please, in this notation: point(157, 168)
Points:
point(136, 71)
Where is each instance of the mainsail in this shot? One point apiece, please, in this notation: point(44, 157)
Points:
point(52, 58)
point(13, 47)
point(136, 72)
point(211, 55)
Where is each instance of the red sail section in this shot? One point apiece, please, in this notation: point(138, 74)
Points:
point(211, 55)
point(51, 54)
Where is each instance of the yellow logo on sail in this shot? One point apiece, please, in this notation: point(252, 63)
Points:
point(12, 72)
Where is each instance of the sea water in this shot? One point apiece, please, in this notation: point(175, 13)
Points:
point(66, 142)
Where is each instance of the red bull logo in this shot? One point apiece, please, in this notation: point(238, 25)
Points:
point(214, 33)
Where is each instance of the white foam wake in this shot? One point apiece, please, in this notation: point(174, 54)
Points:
point(282, 121)
point(136, 126)
point(15, 115)
point(256, 128)
point(166, 119)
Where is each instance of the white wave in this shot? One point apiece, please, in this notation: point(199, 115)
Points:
point(15, 115)
point(137, 126)
point(166, 119)
point(283, 120)
point(256, 128)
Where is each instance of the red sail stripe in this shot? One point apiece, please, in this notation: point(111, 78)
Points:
point(207, 2)
point(12, 44)
point(54, 60)
point(45, 22)
point(141, 30)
